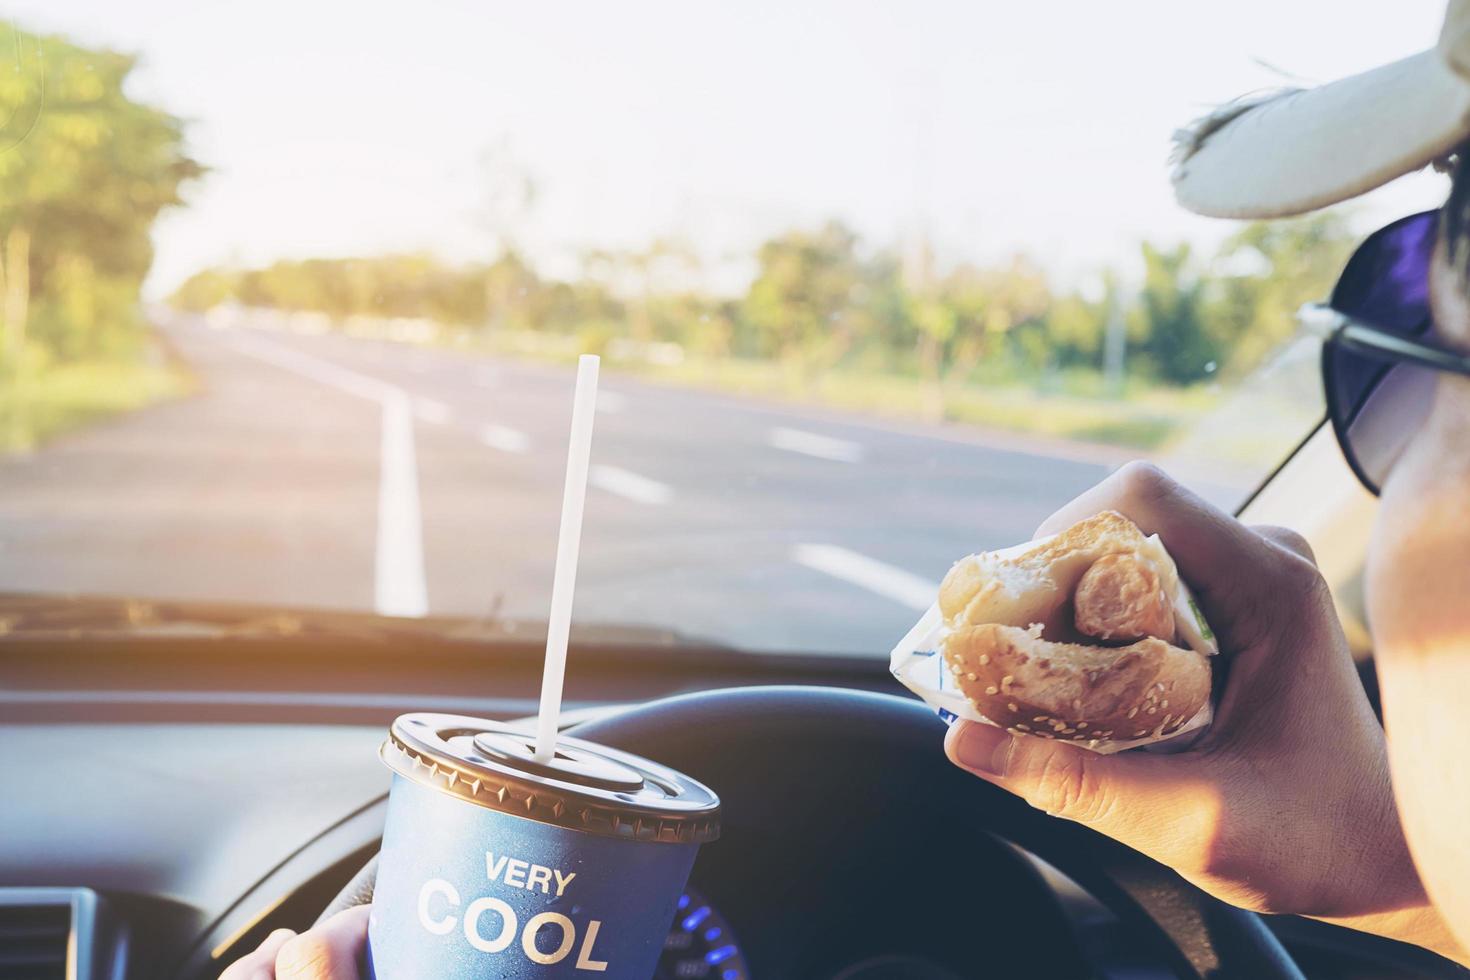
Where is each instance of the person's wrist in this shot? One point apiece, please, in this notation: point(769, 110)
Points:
point(1420, 925)
point(1371, 870)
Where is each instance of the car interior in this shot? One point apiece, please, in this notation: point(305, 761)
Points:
point(299, 303)
point(174, 795)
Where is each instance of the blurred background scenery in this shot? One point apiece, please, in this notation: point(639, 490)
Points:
point(907, 257)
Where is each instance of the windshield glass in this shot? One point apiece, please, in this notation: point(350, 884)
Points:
point(291, 295)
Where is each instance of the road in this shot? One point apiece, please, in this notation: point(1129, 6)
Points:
point(327, 471)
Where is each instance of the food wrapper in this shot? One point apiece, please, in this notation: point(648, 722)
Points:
point(918, 664)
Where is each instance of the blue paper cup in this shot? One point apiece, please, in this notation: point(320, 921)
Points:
point(496, 865)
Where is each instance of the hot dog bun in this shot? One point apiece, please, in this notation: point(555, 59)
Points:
point(1021, 630)
point(1031, 587)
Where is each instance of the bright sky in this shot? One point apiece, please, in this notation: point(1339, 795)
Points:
point(351, 128)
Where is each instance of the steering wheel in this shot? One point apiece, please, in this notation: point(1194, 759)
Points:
point(751, 742)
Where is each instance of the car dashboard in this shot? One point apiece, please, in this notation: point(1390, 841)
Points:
point(169, 802)
point(191, 841)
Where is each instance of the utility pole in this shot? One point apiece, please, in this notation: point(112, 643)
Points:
point(1115, 342)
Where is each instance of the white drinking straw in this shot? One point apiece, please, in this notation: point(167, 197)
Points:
point(568, 546)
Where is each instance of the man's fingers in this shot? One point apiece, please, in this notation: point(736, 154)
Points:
point(330, 951)
point(1230, 568)
point(261, 964)
point(1197, 534)
point(1287, 538)
point(1145, 801)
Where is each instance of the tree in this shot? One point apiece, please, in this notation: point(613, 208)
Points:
point(509, 285)
point(935, 322)
point(83, 176)
point(807, 298)
point(1264, 273)
point(665, 267)
point(1076, 326)
point(206, 289)
point(989, 305)
point(509, 197)
point(1169, 326)
point(932, 320)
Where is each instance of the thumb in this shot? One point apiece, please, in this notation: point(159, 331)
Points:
point(330, 951)
point(1145, 801)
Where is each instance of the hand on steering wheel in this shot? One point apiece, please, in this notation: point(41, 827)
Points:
point(330, 951)
point(1284, 805)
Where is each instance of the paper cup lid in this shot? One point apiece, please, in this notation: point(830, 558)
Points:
point(584, 787)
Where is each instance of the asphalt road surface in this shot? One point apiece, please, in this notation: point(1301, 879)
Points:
point(326, 471)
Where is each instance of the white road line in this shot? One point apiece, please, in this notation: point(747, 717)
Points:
point(433, 411)
point(611, 402)
point(399, 587)
point(811, 444)
point(323, 372)
point(629, 485)
point(868, 573)
point(505, 439)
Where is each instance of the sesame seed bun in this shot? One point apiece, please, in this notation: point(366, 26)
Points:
point(1077, 692)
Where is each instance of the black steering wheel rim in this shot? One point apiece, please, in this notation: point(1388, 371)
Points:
point(819, 726)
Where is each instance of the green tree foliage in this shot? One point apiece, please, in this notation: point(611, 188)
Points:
point(206, 290)
point(992, 308)
point(819, 298)
point(810, 296)
point(1168, 326)
point(1074, 328)
point(84, 171)
point(1267, 271)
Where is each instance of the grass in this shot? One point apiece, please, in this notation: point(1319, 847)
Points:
point(1139, 419)
point(1143, 417)
point(38, 403)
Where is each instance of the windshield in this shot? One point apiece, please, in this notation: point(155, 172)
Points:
point(291, 295)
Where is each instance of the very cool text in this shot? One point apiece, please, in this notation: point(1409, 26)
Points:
point(439, 892)
point(523, 874)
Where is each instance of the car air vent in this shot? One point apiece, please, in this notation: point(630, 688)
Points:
point(59, 934)
point(33, 941)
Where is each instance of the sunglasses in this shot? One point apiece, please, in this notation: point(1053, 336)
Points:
point(1379, 353)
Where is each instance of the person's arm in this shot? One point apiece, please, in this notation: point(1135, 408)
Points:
point(1419, 603)
point(330, 951)
point(1284, 805)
